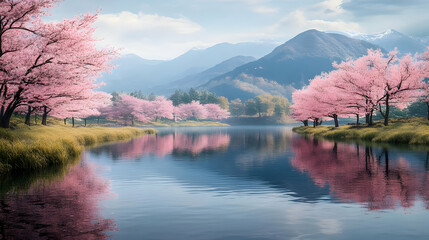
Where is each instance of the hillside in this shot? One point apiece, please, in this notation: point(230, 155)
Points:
point(289, 66)
point(201, 78)
point(134, 73)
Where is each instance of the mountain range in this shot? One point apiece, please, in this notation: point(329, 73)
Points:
point(392, 39)
point(245, 70)
point(289, 66)
point(201, 78)
point(134, 73)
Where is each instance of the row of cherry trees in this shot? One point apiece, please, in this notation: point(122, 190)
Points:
point(49, 67)
point(362, 87)
point(129, 109)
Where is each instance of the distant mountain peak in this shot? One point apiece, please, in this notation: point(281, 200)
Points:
point(289, 66)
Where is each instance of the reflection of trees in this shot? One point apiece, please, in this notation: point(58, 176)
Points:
point(356, 173)
point(167, 144)
point(265, 142)
point(66, 209)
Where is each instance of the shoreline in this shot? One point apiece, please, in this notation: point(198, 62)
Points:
point(38, 147)
point(412, 131)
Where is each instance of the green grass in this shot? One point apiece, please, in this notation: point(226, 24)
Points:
point(37, 147)
point(414, 131)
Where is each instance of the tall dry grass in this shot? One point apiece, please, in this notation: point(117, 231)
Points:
point(37, 147)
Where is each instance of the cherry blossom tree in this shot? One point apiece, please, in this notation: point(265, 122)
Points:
point(214, 111)
point(162, 108)
point(40, 61)
point(192, 110)
point(374, 82)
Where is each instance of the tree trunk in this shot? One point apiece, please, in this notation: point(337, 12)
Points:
point(305, 123)
point(2, 112)
point(315, 122)
point(73, 121)
point(367, 118)
point(28, 116)
point(370, 118)
point(65, 121)
point(386, 114)
point(5, 121)
point(357, 119)
point(45, 116)
point(85, 121)
point(336, 120)
point(7, 113)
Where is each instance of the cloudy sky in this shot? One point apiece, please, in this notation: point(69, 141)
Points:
point(164, 29)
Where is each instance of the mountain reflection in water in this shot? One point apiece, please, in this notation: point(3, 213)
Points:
point(224, 183)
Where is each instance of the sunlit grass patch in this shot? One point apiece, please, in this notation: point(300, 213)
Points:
point(37, 147)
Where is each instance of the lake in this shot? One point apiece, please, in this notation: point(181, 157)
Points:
point(225, 183)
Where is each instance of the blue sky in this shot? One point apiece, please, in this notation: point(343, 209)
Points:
point(164, 29)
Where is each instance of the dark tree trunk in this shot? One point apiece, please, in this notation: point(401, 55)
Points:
point(305, 123)
point(73, 121)
point(386, 114)
point(370, 118)
point(85, 121)
point(28, 116)
point(357, 119)
point(367, 118)
point(132, 121)
point(336, 120)
point(45, 116)
point(316, 122)
point(5, 121)
point(65, 121)
point(7, 113)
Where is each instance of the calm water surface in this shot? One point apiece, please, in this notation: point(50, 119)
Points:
point(224, 183)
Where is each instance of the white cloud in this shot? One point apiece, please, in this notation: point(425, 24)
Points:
point(264, 9)
point(126, 21)
point(297, 22)
point(148, 35)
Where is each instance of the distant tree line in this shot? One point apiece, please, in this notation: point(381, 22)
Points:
point(261, 106)
point(203, 97)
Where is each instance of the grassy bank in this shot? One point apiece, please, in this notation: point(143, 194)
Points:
point(400, 131)
point(37, 147)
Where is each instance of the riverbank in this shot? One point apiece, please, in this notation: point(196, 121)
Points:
point(37, 147)
point(413, 131)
